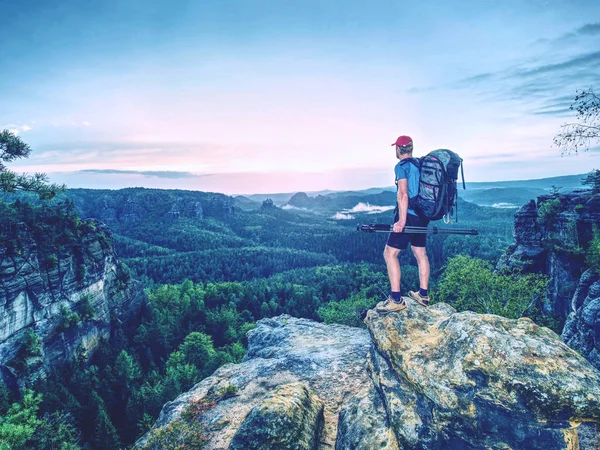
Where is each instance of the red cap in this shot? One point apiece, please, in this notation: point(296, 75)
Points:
point(402, 141)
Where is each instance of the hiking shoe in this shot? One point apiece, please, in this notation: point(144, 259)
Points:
point(417, 296)
point(390, 305)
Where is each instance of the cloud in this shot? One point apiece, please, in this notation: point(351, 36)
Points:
point(172, 156)
point(542, 78)
point(534, 88)
point(368, 208)
point(585, 61)
point(288, 206)
point(342, 216)
point(589, 29)
point(16, 129)
point(469, 81)
point(146, 173)
point(558, 112)
point(494, 157)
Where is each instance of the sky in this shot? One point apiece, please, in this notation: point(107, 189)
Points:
point(264, 96)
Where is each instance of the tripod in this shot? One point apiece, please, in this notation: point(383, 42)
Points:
point(384, 228)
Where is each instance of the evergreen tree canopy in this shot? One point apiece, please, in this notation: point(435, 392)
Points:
point(11, 148)
point(593, 180)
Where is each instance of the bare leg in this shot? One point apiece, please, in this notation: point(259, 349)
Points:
point(390, 254)
point(423, 262)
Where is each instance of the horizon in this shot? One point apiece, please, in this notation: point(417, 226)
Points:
point(323, 191)
point(258, 97)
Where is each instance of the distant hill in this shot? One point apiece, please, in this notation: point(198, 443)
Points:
point(567, 183)
point(516, 193)
point(335, 202)
point(487, 193)
point(245, 203)
point(283, 198)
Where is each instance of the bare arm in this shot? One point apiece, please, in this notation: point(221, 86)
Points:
point(402, 205)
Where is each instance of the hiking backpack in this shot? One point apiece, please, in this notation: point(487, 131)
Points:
point(437, 185)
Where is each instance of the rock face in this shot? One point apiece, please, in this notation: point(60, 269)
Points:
point(426, 379)
point(463, 380)
point(582, 329)
point(38, 291)
point(549, 238)
point(290, 417)
point(328, 360)
point(363, 423)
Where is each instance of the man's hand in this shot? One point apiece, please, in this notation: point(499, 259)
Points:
point(398, 227)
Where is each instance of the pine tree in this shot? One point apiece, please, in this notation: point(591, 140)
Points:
point(105, 435)
point(593, 180)
point(11, 148)
point(127, 369)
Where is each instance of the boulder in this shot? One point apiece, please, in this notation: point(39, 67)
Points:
point(428, 378)
point(330, 360)
point(288, 418)
point(467, 380)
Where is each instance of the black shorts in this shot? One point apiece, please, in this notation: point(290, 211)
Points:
point(401, 240)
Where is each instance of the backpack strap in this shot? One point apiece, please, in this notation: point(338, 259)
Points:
point(414, 161)
point(417, 163)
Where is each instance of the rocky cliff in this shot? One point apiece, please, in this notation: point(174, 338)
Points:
point(550, 236)
point(419, 379)
point(582, 329)
point(61, 280)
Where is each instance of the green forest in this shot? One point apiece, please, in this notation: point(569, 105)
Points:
point(208, 282)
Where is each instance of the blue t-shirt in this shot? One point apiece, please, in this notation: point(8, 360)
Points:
point(407, 170)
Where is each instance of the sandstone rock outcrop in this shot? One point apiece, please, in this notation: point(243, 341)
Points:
point(330, 360)
point(37, 290)
point(582, 329)
point(549, 240)
point(464, 380)
point(289, 417)
point(426, 379)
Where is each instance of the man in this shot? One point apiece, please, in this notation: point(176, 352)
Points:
point(407, 183)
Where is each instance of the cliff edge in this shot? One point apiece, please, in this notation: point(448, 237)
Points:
point(418, 379)
point(61, 288)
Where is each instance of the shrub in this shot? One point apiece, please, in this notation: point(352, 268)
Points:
point(51, 261)
point(226, 392)
point(348, 311)
point(592, 255)
point(186, 432)
point(31, 344)
point(472, 284)
point(87, 309)
point(67, 319)
point(548, 211)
